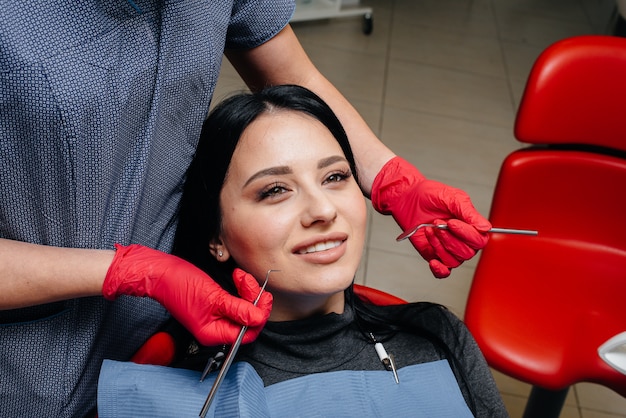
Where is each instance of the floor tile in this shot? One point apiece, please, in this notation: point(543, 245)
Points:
point(600, 399)
point(447, 49)
point(358, 75)
point(471, 17)
point(448, 92)
point(536, 29)
point(445, 148)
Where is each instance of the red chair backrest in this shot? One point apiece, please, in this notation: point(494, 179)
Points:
point(376, 297)
point(575, 94)
point(539, 307)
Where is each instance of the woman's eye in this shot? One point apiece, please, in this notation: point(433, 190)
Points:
point(338, 177)
point(272, 191)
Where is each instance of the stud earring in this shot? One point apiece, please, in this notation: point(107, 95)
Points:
point(220, 254)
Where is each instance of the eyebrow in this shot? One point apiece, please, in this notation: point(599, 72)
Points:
point(330, 161)
point(272, 171)
point(282, 170)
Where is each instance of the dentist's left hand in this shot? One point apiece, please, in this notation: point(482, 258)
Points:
point(209, 312)
point(401, 190)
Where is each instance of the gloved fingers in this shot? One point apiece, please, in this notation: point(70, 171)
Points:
point(463, 209)
point(249, 290)
point(443, 249)
point(246, 285)
point(439, 270)
point(217, 332)
point(469, 234)
point(421, 244)
point(224, 326)
point(216, 316)
point(432, 246)
point(251, 334)
point(436, 239)
point(265, 305)
point(243, 312)
point(453, 245)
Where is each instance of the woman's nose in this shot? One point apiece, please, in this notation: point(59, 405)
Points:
point(318, 208)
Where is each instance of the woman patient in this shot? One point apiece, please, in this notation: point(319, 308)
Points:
point(274, 186)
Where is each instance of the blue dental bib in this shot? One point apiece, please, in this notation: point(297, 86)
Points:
point(425, 390)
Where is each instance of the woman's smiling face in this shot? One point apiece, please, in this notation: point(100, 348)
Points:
point(290, 203)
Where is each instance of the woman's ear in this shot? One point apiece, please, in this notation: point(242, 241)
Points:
point(218, 250)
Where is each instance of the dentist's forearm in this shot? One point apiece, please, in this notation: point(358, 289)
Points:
point(32, 274)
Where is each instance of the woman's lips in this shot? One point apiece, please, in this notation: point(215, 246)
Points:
point(320, 246)
point(318, 243)
point(323, 249)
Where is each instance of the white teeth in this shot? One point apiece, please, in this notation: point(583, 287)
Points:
point(321, 246)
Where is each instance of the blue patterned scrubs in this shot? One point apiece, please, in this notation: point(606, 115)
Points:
point(101, 105)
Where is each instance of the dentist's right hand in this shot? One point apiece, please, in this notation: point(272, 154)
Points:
point(209, 312)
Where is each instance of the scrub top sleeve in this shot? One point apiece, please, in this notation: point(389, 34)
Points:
point(257, 21)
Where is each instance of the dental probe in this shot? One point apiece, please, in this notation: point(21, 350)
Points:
point(230, 356)
point(409, 232)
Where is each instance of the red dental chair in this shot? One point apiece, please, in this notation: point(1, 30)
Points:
point(160, 349)
point(539, 307)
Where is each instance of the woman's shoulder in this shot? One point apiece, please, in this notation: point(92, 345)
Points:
point(413, 308)
point(425, 315)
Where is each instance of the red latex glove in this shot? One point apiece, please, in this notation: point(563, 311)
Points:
point(210, 313)
point(401, 190)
